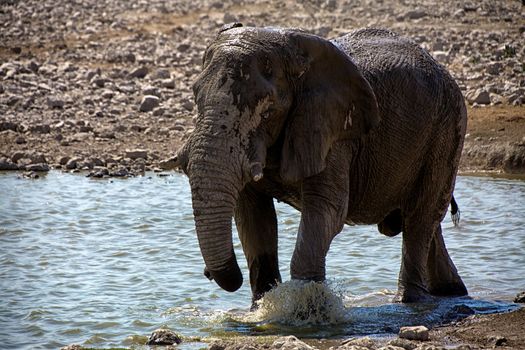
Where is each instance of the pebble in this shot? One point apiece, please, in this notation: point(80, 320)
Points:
point(148, 103)
point(290, 343)
point(520, 298)
point(164, 337)
point(37, 167)
point(139, 73)
point(136, 154)
point(55, 102)
point(414, 333)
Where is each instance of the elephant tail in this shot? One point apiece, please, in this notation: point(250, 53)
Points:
point(454, 211)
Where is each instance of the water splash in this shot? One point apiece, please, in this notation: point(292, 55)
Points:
point(300, 303)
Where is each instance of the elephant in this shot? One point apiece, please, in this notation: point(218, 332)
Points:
point(366, 128)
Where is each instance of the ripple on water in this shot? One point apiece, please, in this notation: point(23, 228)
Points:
point(122, 256)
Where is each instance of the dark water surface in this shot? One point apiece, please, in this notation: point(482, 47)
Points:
point(105, 262)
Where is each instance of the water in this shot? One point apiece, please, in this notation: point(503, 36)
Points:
point(105, 262)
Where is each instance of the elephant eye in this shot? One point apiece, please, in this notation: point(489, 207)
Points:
point(267, 70)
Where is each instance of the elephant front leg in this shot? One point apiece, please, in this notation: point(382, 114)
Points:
point(324, 208)
point(257, 226)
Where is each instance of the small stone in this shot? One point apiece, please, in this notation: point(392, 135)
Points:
point(20, 140)
point(162, 73)
point(168, 164)
point(164, 337)
point(365, 342)
point(392, 347)
point(168, 83)
point(99, 173)
point(480, 96)
point(72, 163)
point(72, 347)
point(520, 298)
point(63, 160)
point(37, 167)
point(55, 102)
point(188, 105)
point(148, 103)
point(139, 73)
point(136, 154)
point(6, 164)
point(121, 172)
point(403, 343)
point(415, 14)
point(290, 343)
point(414, 333)
point(151, 90)
point(441, 56)
point(497, 340)
point(494, 68)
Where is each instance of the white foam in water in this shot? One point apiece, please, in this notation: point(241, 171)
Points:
point(301, 303)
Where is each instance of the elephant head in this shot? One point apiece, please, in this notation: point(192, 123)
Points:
point(259, 87)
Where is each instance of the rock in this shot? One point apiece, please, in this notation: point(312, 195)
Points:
point(364, 342)
point(55, 102)
point(164, 337)
point(162, 73)
point(290, 343)
point(148, 103)
point(99, 173)
point(188, 105)
point(121, 172)
point(391, 347)
point(136, 154)
point(520, 298)
point(497, 340)
point(441, 56)
point(72, 164)
point(168, 83)
point(139, 73)
point(20, 140)
point(415, 14)
point(37, 167)
point(151, 91)
point(41, 128)
point(72, 347)
point(63, 160)
point(414, 333)
point(6, 164)
point(480, 96)
point(403, 343)
point(494, 68)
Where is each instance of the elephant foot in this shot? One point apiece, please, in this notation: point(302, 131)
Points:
point(456, 289)
point(412, 294)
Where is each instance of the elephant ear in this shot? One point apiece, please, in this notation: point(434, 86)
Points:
point(333, 101)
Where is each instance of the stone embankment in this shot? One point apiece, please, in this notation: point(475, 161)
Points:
point(106, 86)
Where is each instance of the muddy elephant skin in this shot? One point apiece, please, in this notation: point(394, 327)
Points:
point(364, 129)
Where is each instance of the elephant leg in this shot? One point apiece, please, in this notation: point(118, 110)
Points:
point(417, 237)
point(257, 226)
point(443, 277)
point(324, 209)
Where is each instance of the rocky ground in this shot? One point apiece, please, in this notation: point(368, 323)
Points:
point(105, 86)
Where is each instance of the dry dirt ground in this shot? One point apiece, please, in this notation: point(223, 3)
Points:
point(105, 86)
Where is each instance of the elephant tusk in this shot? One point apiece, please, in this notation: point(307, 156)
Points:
point(256, 171)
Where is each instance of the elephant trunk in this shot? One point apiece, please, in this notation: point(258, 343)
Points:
point(215, 184)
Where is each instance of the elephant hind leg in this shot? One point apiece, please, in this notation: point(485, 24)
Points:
point(443, 278)
point(392, 224)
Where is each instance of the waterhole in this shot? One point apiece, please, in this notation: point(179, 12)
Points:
point(105, 262)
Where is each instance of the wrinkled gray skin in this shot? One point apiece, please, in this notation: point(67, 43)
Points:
point(366, 128)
